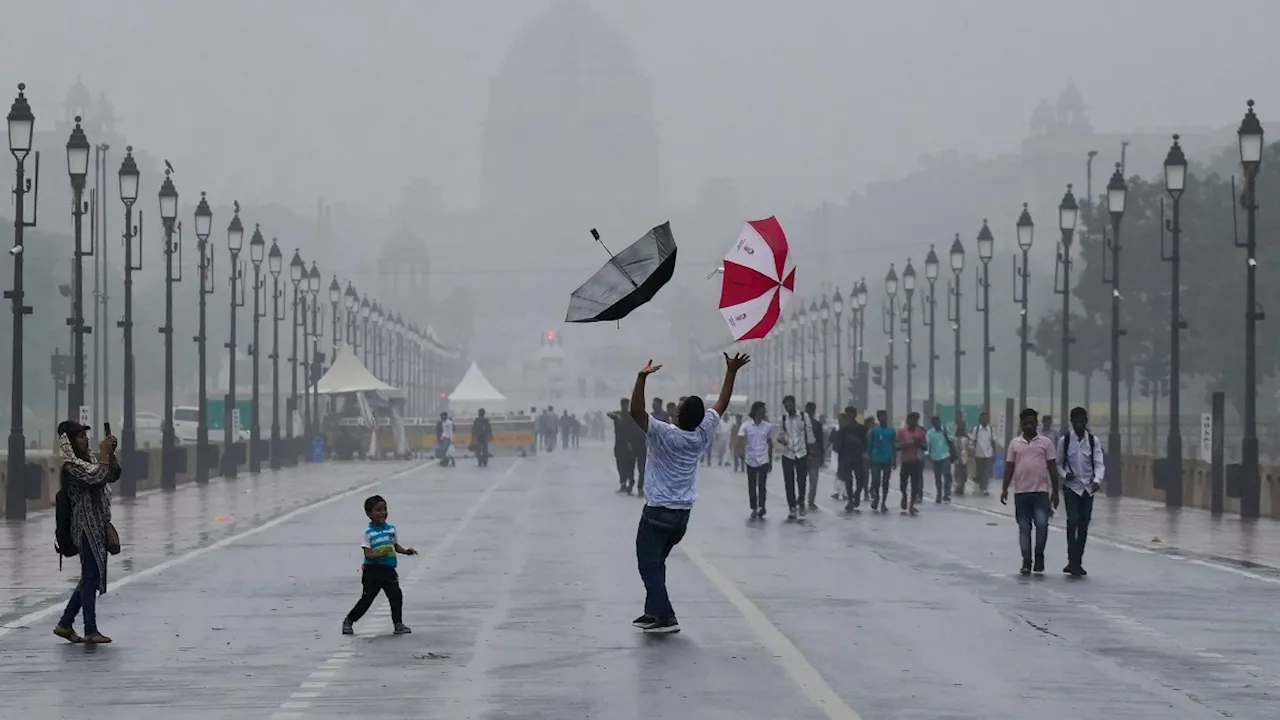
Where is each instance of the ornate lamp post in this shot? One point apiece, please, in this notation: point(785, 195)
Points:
point(837, 307)
point(1250, 135)
point(365, 309)
point(1068, 214)
point(929, 307)
point(813, 350)
point(351, 300)
point(78, 168)
point(953, 314)
point(128, 176)
point(824, 315)
point(1117, 190)
point(235, 242)
point(791, 352)
point(890, 328)
point(275, 263)
point(169, 216)
point(313, 363)
point(803, 319)
point(859, 333)
point(204, 226)
point(1026, 235)
point(21, 122)
point(1175, 181)
point(986, 249)
point(908, 311)
point(335, 297)
point(297, 271)
point(257, 253)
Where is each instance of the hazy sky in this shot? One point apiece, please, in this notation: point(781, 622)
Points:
point(288, 100)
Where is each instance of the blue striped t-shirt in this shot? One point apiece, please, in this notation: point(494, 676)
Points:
point(671, 461)
point(380, 536)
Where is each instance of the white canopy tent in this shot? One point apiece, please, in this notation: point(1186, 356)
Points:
point(349, 375)
point(475, 392)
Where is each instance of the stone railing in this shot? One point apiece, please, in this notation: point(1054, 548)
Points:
point(1139, 481)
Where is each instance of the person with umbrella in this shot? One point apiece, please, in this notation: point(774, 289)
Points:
point(674, 450)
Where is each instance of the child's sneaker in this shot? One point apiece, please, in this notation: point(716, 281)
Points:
point(348, 628)
point(402, 629)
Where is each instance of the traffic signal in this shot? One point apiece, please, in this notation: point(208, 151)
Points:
point(877, 375)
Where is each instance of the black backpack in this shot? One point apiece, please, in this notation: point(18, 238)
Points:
point(63, 542)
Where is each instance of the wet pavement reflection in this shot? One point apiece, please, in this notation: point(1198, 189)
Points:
point(522, 599)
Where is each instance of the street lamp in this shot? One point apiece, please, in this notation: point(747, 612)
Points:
point(1250, 135)
point(21, 122)
point(365, 309)
point(792, 346)
point(168, 216)
point(275, 264)
point(313, 284)
point(908, 316)
point(1117, 190)
point(953, 314)
point(235, 242)
point(1068, 215)
point(837, 307)
point(859, 333)
point(335, 297)
point(257, 253)
point(351, 299)
point(986, 250)
point(297, 272)
point(813, 316)
point(78, 168)
point(204, 224)
point(1175, 181)
point(128, 176)
point(890, 329)
point(803, 319)
point(824, 314)
point(929, 307)
point(1026, 234)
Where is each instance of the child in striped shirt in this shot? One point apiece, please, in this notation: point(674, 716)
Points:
point(379, 574)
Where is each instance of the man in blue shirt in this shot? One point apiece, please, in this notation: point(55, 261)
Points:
point(671, 485)
point(882, 453)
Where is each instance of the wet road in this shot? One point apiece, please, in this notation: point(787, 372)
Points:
point(521, 601)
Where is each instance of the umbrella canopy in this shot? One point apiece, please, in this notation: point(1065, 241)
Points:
point(630, 279)
point(759, 279)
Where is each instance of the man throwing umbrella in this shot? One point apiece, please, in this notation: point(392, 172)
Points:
point(671, 485)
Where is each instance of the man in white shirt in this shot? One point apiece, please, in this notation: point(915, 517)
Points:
point(446, 439)
point(795, 436)
point(671, 485)
point(756, 435)
point(984, 451)
point(1080, 455)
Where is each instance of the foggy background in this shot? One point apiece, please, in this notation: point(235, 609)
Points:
point(449, 158)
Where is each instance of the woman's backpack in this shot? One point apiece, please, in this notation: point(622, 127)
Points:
point(63, 539)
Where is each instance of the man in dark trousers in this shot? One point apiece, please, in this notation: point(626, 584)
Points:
point(1080, 456)
point(481, 434)
point(851, 448)
point(624, 439)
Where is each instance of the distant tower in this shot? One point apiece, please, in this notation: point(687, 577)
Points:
point(78, 102)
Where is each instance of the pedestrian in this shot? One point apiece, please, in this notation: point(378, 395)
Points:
point(85, 485)
point(795, 436)
point(941, 455)
point(481, 434)
point(1031, 468)
point(850, 444)
point(724, 435)
point(757, 439)
point(658, 413)
point(1085, 471)
point(380, 545)
point(912, 443)
point(738, 445)
point(674, 450)
point(537, 429)
point(816, 452)
point(444, 437)
point(963, 459)
point(882, 447)
point(1046, 429)
point(985, 448)
point(624, 430)
point(566, 430)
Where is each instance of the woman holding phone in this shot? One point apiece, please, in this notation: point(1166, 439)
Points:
point(85, 480)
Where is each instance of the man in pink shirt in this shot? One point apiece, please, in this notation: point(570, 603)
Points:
point(1031, 466)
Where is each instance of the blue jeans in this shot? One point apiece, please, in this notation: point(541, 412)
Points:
point(86, 593)
point(1028, 508)
point(660, 530)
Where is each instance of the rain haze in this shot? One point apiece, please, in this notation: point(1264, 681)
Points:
point(429, 175)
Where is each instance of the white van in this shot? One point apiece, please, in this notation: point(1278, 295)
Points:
point(186, 423)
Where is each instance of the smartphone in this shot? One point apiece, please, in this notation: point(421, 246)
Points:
point(106, 429)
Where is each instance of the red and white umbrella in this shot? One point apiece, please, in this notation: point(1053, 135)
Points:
point(759, 279)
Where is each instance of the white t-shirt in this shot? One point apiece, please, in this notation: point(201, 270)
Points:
point(672, 457)
point(756, 441)
point(446, 430)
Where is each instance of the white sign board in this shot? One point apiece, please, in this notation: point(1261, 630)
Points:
point(86, 419)
point(1206, 437)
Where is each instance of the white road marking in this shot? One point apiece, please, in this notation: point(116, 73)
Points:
point(332, 665)
point(50, 610)
point(793, 662)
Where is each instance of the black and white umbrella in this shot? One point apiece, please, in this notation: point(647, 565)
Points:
point(630, 279)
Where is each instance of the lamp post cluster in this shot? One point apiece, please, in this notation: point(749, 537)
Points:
point(403, 353)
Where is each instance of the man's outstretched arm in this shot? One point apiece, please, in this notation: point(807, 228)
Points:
point(731, 367)
point(638, 404)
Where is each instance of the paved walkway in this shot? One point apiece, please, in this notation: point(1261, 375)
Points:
point(521, 601)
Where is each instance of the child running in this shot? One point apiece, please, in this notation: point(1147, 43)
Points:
point(379, 574)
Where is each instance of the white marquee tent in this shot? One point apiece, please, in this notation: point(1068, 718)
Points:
point(349, 375)
point(475, 392)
